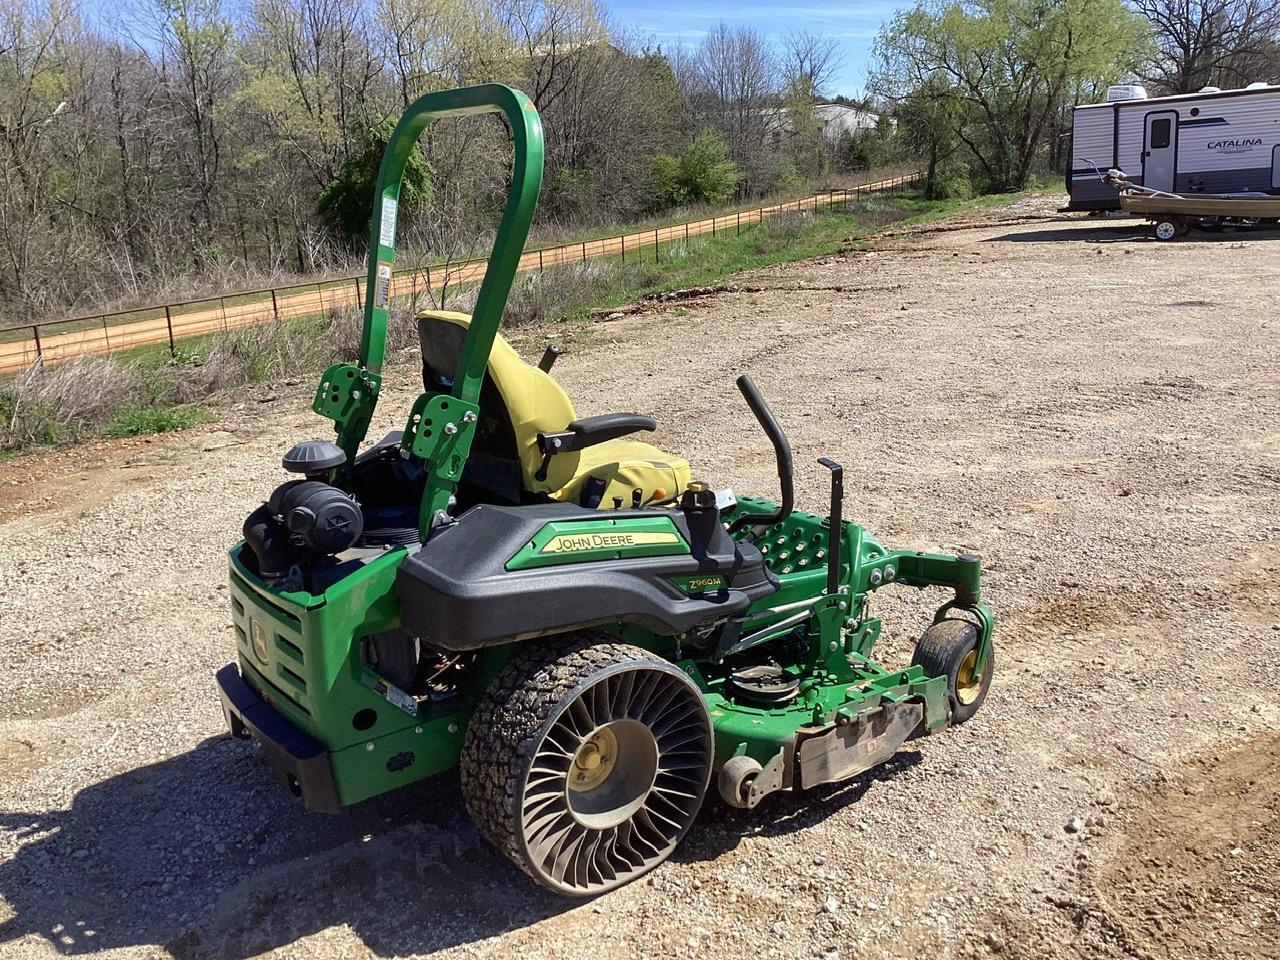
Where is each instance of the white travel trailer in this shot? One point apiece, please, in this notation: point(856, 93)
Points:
point(1215, 141)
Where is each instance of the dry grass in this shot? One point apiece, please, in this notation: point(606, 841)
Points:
point(48, 404)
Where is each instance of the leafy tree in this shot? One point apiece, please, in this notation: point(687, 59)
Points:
point(702, 174)
point(927, 125)
point(345, 204)
point(1006, 66)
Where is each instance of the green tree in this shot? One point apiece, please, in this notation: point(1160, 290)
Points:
point(1007, 65)
point(927, 124)
point(702, 174)
point(345, 203)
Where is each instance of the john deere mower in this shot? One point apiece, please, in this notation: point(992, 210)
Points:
point(590, 634)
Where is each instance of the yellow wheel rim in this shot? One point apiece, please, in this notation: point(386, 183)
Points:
point(968, 679)
point(593, 761)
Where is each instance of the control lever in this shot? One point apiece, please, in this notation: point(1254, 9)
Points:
point(835, 533)
point(549, 357)
point(781, 450)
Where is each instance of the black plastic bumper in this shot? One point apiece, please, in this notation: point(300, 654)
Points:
point(300, 762)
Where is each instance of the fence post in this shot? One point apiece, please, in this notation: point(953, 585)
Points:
point(584, 251)
point(168, 322)
point(540, 267)
point(106, 334)
point(35, 333)
point(275, 307)
point(359, 299)
point(739, 233)
point(223, 301)
point(655, 245)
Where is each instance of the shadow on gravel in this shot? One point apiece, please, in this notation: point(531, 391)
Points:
point(720, 828)
point(1126, 231)
point(204, 855)
point(1105, 231)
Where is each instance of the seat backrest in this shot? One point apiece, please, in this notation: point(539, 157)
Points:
point(517, 400)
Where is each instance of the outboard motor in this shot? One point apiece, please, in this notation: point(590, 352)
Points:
point(304, 521)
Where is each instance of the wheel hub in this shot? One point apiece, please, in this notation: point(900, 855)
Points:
point(968, 679)
point(611, 774)
point(594, 761)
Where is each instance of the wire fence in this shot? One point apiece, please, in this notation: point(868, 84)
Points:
point(51, 341)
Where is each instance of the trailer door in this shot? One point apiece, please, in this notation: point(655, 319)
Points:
point(1160, 150)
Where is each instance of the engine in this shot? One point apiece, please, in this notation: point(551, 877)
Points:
point(304, 521)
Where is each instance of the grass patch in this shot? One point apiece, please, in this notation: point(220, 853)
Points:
point(573, 291)
point(138, 423)
point(146, 390)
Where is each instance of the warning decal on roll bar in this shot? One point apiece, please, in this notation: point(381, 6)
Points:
point(387, 231)
point(383, 292)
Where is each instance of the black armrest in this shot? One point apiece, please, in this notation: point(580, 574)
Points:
point(589, 431)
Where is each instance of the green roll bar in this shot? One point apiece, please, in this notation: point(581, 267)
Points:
point(348, 393)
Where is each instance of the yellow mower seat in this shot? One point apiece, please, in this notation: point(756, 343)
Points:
point(534, 403)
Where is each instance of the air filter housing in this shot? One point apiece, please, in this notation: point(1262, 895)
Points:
point(313, 457)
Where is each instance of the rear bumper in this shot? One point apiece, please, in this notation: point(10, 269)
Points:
point(300, 762)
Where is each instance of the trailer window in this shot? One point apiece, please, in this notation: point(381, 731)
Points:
point(1161, 132)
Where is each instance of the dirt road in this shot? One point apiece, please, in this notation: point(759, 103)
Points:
point(1096, 414)
point(214, 315)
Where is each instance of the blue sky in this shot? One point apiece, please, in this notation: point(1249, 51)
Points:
point(853, 25)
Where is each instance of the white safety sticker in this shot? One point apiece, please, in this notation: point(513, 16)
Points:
point(398, 698)
point(387, 232)
point(383, 293)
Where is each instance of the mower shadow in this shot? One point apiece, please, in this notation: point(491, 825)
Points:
point(720, 828)
point(204, 855)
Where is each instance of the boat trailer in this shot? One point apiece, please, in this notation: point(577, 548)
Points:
point(1175, 215)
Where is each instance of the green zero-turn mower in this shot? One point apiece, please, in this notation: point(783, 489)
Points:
point(590, 635)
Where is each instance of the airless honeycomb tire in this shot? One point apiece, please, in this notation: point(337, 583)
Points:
point(586, 762)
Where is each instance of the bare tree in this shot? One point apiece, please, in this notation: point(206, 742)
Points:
point(1211, 42)
point(732, 84)
point(810, 62)
point(32, 61)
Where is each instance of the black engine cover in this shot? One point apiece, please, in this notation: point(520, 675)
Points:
point(457, 594)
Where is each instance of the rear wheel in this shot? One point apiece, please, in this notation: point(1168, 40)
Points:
point(1167, 229)
point(585, 763)
point(950, 649)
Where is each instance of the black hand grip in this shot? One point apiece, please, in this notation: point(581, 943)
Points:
point(835, 524)
point(549, 357)
point(781, 450)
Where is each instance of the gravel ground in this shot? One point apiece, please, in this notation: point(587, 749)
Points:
point(1094, 413)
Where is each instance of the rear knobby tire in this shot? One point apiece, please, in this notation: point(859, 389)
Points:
point(586, 761)
point(949, 649)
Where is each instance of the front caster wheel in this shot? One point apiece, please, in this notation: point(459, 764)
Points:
point(950, 649)
point(586, 763)
point(734, 782)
